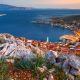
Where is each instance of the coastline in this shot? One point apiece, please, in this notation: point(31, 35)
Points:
point(60, 21)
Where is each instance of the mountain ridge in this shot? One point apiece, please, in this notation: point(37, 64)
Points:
point(11, 7)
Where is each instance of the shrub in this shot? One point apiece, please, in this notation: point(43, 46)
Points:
point(31, 65)
point(4, 70)
point(2, 41)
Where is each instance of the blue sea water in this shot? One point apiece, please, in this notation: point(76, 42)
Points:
point(19, 23)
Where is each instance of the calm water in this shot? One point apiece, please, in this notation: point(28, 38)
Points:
point(19, 23)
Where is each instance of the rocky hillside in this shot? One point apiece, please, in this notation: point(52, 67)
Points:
point(43, 61)
point(72, 18)
point(21, 48)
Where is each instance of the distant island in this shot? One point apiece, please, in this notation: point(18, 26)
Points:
point(10, 7)
point(2, 14)
point(72, 22)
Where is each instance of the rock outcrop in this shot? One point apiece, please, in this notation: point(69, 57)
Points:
point(14, 48)
point(70, 63)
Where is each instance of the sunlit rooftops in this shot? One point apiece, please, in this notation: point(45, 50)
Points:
point(71, 38)
point(77, 33)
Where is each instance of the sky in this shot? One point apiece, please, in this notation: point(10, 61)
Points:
point(72, 4)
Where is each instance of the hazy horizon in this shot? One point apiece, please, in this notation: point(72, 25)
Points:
point(59, 4)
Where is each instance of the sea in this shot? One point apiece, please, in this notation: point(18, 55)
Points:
point(19, 23)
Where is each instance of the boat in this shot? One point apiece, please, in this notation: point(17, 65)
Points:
point(2, 14)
